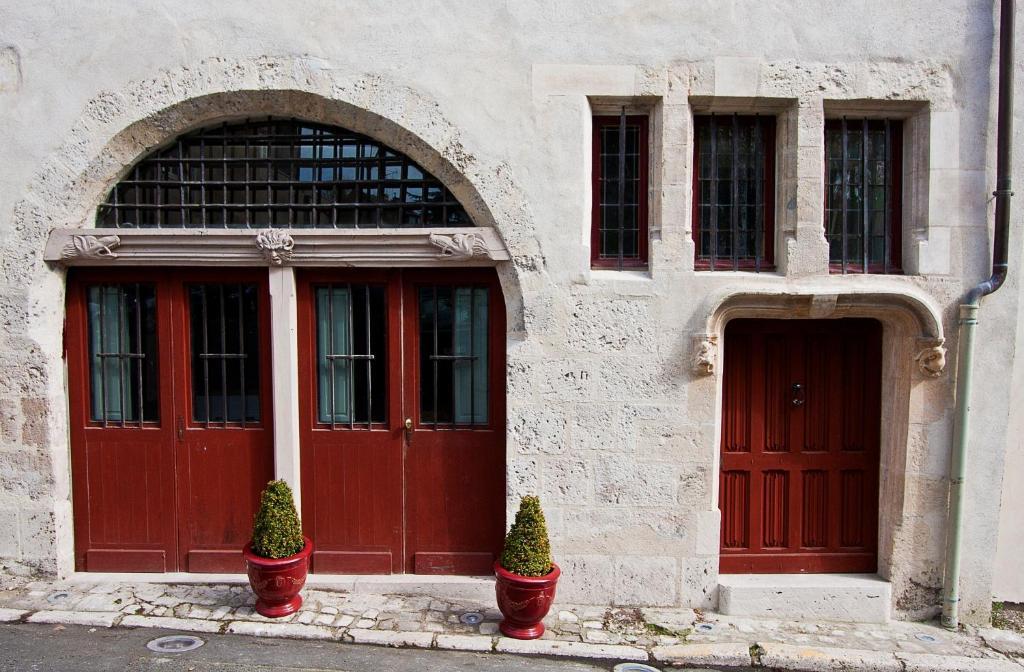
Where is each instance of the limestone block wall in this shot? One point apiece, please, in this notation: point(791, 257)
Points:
point(610, 420)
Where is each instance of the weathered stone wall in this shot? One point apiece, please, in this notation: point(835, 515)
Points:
point(609, 420)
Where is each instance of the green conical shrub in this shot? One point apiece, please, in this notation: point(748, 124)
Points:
point(527, 549)
point(276, 530)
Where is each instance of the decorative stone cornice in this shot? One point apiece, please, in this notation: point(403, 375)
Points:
point(89, 247)
point(466, 246)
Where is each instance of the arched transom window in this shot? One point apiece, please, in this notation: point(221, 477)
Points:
point(279, 173)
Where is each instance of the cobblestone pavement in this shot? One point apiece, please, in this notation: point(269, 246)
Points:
point(665, 636)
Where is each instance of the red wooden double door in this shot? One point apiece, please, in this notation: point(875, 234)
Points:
point(402, 401)
point(800, 446)
point(402, 418)
point(171, 424)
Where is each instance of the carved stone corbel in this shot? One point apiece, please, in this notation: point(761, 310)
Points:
point(705, 354)
point(86, 246)
point(931, 356)
point(276, 245)
point(459, 245)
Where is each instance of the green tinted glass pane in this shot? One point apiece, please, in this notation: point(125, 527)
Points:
point(333, 337)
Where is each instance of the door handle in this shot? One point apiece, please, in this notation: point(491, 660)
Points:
point(798, 394)
point(180, 425)
point(408, 431)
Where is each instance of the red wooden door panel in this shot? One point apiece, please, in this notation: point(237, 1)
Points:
point(224, 436)
point(153, 489)
point(376, 497)
point(123, 501)
point(455, 457)
point(352, 458)
point(800, 446)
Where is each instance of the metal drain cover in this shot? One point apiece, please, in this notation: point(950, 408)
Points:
point(174, 644)
point(931, 639)
point(54, 598)
point(634, 667)
point(472, 618)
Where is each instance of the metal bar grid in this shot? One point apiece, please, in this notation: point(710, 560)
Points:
point(203, 354)
point(865, 189)
point(350, 357)
point(128, 361)
point(621, 205)
point(359, 193)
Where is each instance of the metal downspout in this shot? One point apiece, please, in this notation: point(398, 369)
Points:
point(969, 309)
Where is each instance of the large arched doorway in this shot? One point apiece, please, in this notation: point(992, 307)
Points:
point(192, 384)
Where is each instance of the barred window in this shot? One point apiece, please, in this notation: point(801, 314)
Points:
point(862, 199)
point(734, 203)
point(278, 173)
point(619, 220)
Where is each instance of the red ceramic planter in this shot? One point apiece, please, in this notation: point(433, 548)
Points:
point(277, 581)
point(524, 601)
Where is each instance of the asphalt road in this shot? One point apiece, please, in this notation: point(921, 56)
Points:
point(49, 648)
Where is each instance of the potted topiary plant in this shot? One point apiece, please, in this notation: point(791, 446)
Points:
point(277, 558)
point(526, 576)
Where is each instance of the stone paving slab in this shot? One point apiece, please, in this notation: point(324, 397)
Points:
point(670, 637)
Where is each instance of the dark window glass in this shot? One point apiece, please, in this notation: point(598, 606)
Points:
point(862, 194)
point(619, 236)
point(734, 199)
point(281, 173)
point(351, 343)
point(123, 354)
point(225, 353)
point(453, 354)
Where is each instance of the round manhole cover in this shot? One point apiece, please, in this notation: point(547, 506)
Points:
point(634, 667)
point(472, 618)
point(931, 639)
point(174, 644)
point(54, 598)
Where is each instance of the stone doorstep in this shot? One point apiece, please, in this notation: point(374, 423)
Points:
point(846, 598)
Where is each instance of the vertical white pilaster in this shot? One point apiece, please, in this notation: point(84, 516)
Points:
point(285, 372)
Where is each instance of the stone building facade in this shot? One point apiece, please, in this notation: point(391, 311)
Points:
point(613, 378)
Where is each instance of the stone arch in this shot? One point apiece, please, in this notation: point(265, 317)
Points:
point(118, 127)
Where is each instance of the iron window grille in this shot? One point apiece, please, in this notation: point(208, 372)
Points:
point(278, 173)
point(734, 199)
point(619, 219)
point(225, 353)
point(453, 333)
point(863, 195)
point(351, 339)
point(123, 354)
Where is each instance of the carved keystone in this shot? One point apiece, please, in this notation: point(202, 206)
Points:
point(276, 245)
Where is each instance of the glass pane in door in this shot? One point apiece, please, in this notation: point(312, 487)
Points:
point(225, 353)
point(122, 353)
point(453, 354)
point(351, 343)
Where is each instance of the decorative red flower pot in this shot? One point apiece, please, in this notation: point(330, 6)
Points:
point(524, 601)
point(277, 581)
